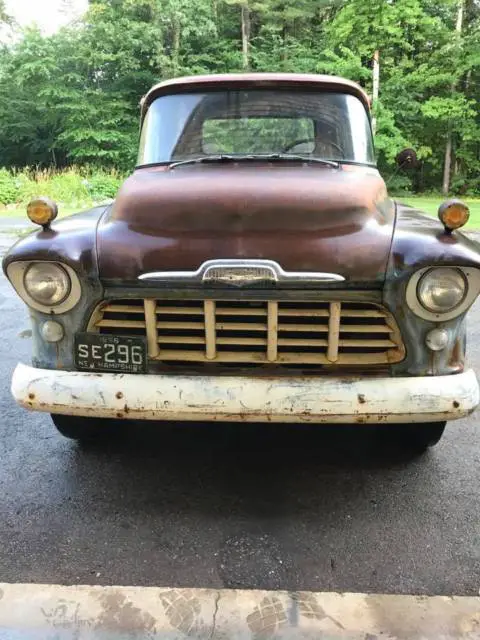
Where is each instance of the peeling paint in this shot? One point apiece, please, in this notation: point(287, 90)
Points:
point(299, 399)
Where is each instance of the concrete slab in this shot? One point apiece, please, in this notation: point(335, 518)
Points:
point(53, 612)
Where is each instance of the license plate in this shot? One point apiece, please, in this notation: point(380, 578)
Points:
point(118, 354)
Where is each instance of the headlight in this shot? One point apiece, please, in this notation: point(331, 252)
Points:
point(441, 289)
point(47, 283)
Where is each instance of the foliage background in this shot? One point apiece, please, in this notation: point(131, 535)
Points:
point(72, 98)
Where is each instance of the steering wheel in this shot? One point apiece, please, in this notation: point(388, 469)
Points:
point(296, 142)
point(303, 140)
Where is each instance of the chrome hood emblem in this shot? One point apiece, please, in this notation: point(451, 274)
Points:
point(241, 273)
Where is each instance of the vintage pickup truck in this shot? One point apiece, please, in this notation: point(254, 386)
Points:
point(253, 268)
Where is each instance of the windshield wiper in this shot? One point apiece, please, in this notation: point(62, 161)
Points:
point(204, 159)
point(297, 157)
point(275, 157)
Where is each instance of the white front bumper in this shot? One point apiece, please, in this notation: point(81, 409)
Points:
point(253, 399)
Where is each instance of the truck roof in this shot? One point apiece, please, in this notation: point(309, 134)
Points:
point(254, 80)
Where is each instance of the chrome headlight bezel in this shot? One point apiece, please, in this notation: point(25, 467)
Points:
point(471, 278)
point(16, 272)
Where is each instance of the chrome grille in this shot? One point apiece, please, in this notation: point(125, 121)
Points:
point(280, 332)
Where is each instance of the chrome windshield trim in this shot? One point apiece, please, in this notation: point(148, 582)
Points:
point(240, 273)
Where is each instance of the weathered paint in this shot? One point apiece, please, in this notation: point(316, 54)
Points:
point(70, 240)
point(225, 81)
point(53, 612)
point(59, 355)
point(306, 218)
point(253, 399)
point(420, 241)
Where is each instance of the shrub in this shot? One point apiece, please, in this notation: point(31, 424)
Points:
point(465, 187)
point(27, 186)
point(8, 187)
point(399, 185)
point(103, 185)
point(66, 186)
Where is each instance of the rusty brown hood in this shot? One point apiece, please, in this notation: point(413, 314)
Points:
point(306, 218)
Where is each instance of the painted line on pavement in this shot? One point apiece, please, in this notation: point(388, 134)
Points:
point(54, 612)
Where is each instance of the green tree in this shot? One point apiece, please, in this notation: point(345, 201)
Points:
point(73, 96)
point(28, 127)
point(3, 12)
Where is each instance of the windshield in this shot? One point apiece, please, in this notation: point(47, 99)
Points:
point(330, 126)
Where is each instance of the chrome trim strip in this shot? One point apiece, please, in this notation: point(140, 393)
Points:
point(240, 273)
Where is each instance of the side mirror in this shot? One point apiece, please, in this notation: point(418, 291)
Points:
point(406, 159)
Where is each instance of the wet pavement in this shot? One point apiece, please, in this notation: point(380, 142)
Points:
point(234, 506)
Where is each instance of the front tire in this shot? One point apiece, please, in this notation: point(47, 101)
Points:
point(80, 428)
point(417, 438)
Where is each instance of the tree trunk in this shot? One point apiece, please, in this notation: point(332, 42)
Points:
point(376, 86)
point(459, 24)
point(447, 163)
point(246, 35)
point(176, 46)
point(285, 40)
point(449, 145)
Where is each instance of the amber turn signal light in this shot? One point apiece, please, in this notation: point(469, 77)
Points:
point(42, 211)
point(453, 214)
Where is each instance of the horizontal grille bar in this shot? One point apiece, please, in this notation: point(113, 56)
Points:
point(363, 313)
point(123, 308)
point(181, 325)
point(240, 326)
point(313, 328)
point(257, 331)
point(124, 324)
point(311, 313)
point(240, 312)
point(180, 311)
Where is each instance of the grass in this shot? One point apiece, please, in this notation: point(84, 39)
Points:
point(430, 205)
